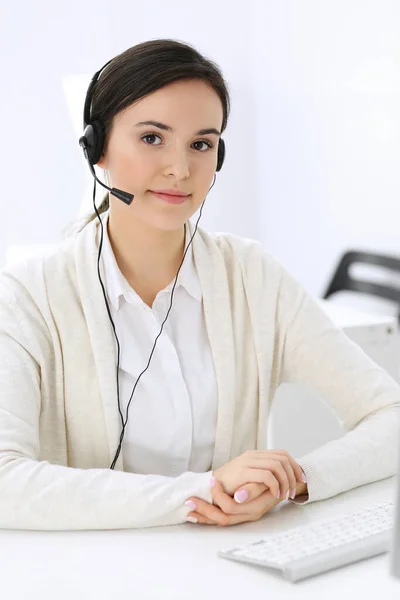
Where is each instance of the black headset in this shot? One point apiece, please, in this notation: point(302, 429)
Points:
point(92, 143)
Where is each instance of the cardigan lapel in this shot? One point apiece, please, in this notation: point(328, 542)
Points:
point(212, 274)
point(213, 278)
point(100, 333)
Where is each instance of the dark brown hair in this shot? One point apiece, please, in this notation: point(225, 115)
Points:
point(143, 69)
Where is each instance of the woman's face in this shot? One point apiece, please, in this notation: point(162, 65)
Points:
point(141, 158)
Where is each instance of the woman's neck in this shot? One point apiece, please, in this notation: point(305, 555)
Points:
point(148, 258)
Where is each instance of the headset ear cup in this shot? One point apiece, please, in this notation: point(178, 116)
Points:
point(221, 154)
point(94, 141)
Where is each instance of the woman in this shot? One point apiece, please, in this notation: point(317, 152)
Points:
point(208, 325)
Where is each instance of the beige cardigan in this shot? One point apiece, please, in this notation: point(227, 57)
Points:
point(59, 419)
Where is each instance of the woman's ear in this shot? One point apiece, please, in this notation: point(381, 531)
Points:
point(101, 162)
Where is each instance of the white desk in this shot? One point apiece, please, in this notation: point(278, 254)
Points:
point(181, 562)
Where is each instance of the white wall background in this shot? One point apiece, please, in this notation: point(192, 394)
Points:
point(327, 87)
point(313, 141)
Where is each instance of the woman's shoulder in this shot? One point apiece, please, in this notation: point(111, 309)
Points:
point(247, 251)
point(30, 271)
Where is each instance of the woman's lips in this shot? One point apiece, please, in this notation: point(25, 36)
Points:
point(171, 199)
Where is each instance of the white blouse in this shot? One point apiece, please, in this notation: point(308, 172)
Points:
point(172, 417)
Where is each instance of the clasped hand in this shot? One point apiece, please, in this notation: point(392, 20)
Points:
point(249, 486)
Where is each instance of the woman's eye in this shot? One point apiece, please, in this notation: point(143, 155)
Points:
point(206, 143)
point(153, 135)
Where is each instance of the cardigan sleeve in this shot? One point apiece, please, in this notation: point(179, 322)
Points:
point(37, 495)
point(362, 395)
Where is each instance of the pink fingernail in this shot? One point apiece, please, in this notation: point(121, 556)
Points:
point(191, 504)
point(304, 478)
point(212, 482)
point(192, 519)
point(241, 496)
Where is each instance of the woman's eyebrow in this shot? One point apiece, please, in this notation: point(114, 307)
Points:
point(168, 128)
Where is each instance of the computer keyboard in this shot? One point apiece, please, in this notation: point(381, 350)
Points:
point(307, 550)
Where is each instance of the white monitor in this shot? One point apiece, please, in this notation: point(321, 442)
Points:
point(395, 549)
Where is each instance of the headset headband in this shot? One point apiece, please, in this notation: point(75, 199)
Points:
point(88, 100)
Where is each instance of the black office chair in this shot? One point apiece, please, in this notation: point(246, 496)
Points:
point(342, 281)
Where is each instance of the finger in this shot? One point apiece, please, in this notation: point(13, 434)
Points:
point(288, 484)
point(207, 510)
point(275, 468)
point(298, 471)
point(201, 519)
point(225, 502)
point(254, 475)
point(261, 505)
point(249, 492)
point(291, 478)
point(215, 514)
point(253, 510)
point(265, 454)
